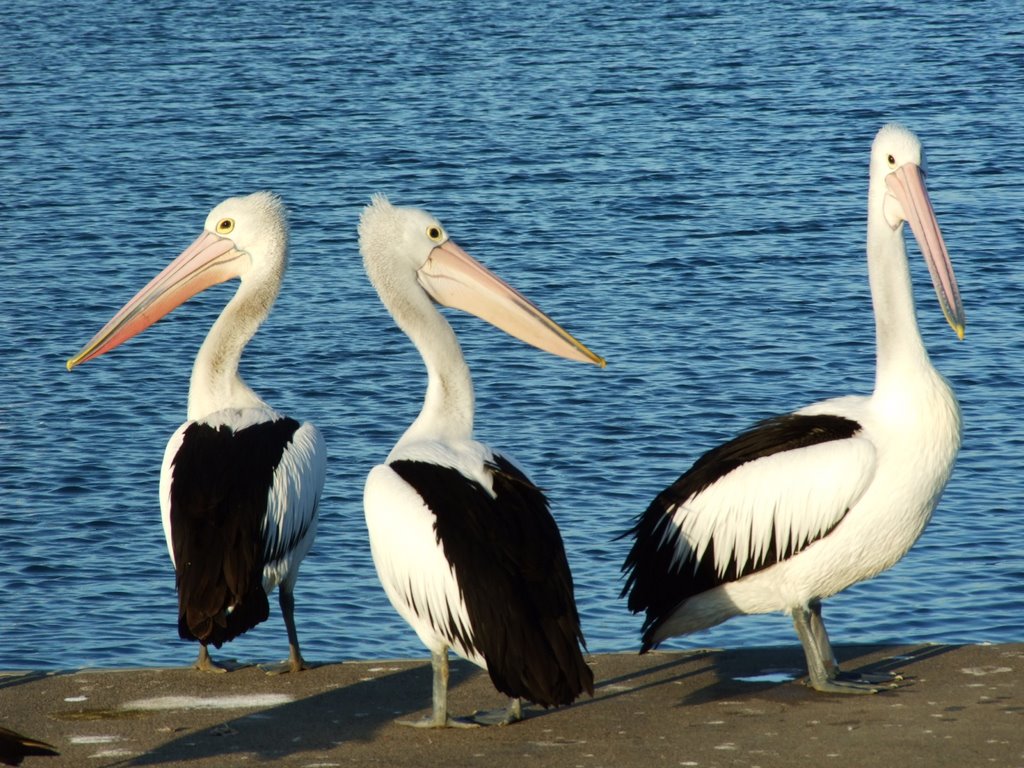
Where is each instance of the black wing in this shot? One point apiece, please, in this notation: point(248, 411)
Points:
point(221, 480)
point(510, 564)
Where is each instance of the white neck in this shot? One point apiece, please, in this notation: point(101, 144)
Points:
point(900, 350)
point(216, 383)
point(447, 413)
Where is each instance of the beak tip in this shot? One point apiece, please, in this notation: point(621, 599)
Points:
point(959, 324)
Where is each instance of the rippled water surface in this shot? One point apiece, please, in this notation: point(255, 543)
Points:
point(682, 185)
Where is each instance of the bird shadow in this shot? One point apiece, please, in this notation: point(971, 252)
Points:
point(654, 676)
point(776, 671)
point(14, 679)
point(782, 670)
point(353, 712)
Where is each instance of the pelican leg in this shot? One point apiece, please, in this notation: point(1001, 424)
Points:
point(514, 713)
point(205, 664)
point(822, 670)
point(819, 637)
point(439, 716)
point(295, 662)
point(817, 626)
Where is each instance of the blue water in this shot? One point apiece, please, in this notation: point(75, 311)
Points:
point(681, 185)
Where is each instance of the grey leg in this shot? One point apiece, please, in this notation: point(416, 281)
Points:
point(822, 670)
point(439, 717)
point(295, 663)
point(820, 638)
point(887, 679)
point(205, 664)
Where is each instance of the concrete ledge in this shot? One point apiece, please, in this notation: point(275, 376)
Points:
point(958, 706)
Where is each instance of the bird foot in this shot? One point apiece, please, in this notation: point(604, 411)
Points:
point(495, 717)
point(854, 683)
point(285, 667)
point(886, 679)
point(447, 722)
point(512, 714)
point(209, 665)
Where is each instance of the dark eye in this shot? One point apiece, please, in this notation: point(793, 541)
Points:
point(892, 161)
point(224, 226)
point(435, 233)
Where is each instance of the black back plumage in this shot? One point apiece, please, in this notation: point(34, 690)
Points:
point(510, 564)
point(220, 483)
point(658, 585)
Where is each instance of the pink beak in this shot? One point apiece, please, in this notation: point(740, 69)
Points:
point(454, 278)
point(906, 184)
point(211, 259)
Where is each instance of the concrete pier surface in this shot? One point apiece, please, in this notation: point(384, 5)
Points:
point(957, 706)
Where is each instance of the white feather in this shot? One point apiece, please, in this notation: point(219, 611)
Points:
point(173, 446)
point(800, 494)
point(413, 570)
point(293, 498)
point(292, 505)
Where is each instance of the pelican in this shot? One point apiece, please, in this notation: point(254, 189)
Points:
point(803, 505)
point(240, 482)
point(464, 544)
point(14, 747)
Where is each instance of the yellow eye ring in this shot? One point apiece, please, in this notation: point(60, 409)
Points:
point(225, 226)
point(892, 161)
point(435, 233)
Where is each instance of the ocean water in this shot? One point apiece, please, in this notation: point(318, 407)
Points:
point(682, 185)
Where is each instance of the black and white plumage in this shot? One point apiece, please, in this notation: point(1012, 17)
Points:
point(240, 483)
point(804, 505)
point(464, 544)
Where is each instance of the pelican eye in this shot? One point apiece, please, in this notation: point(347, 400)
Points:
point(892, 161)
point(225, 226)
point(435, 233)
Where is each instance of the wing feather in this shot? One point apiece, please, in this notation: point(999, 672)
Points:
point(294, 495)
point(789, 499)
point(219, 489)
point(418, 579)
point(481, 569)
point(753, 501)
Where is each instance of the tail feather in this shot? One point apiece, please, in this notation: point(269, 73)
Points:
point(216, 625)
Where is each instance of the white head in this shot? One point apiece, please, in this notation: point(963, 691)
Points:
point(897, 194)
point(244, 237)
point(257, 226)
point(395, 243)
point(410, 259)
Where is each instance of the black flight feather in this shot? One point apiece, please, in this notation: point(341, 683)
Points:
point(655, 581)
point(510, 564)
point(221, 479)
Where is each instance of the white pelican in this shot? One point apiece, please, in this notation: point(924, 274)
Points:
point(463, 542)
point(802, 506)
point(240, 482)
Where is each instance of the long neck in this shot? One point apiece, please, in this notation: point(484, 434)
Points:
point(900, 350)
point(447, 413)
point(216, 383)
